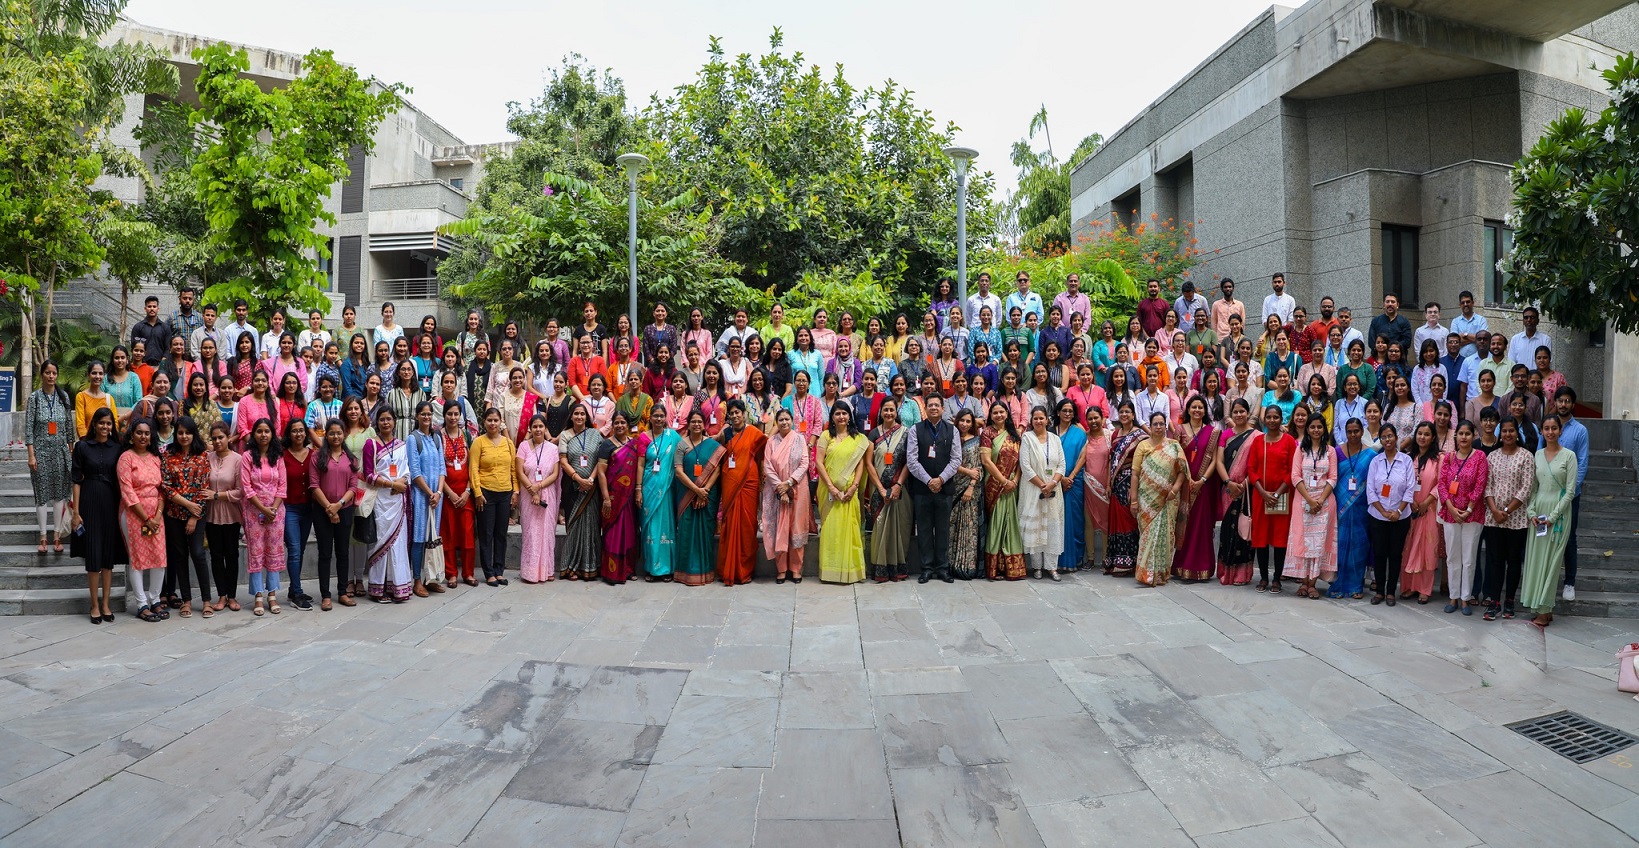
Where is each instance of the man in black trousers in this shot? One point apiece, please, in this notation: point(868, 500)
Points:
point(933, 459)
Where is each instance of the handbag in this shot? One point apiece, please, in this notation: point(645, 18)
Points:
point(1627, 674)
point(433, 562)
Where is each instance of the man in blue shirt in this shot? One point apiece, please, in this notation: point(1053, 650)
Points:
point(1574, 438)
point(1468, 325)
point(1452, 362)
point(1026, 300)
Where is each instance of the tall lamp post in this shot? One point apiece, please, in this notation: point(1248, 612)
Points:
point(632, 162)
point(962, 156)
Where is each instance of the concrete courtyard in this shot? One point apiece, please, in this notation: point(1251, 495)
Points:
point(1088, 712)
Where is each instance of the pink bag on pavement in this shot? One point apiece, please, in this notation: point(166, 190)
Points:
point(1627, 675)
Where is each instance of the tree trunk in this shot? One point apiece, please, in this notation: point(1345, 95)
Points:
point(25, 356)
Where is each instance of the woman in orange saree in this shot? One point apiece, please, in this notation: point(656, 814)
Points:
point(742, 491)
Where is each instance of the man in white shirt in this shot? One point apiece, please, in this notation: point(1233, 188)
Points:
point(270, 339)
point(984, 297)
point(740, 329)
point(315, 332)
point(1187, 303)
point(239, 327)
point(204, 331)
point(1523, 346)
point(1026, 300)
point(1468, 375)
point(1072, 301)
point(1431, 330)
point(1280, 303)
point(1467, 325)
point(1345, 322)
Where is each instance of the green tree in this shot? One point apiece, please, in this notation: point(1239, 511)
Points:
point(1576, 214)
point(806, 172)
point(129, 251)
point(537, 259)
point(1038, 211)
point(269, 164)
point(186, 258)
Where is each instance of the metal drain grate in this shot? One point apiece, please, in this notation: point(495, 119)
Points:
point(1574, 737)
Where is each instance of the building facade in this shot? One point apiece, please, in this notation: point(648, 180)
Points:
point(1363, 147)
point(384, 246)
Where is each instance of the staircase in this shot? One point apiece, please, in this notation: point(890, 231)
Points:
point(31, 584)
point(1607, 540)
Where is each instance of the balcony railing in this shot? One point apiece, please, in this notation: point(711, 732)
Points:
point(407, 288)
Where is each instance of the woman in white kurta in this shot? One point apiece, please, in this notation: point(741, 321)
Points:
point(1041, 513)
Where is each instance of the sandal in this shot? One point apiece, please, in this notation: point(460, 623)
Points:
point(1358, 595)
point(41, 550)
point(1263, 585)
point(257, 610)
point(347, 601)
point(147, 614)
point(160, 610)
point(206, 611)
point(473, 582)
point(449, 584)
point(324, 605)
point(186, 611)
point(272, 603)
point(1377, 599)
point(233, 604)
point(1274, 588)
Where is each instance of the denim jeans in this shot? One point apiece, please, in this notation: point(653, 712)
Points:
point(264, 581)
point(298, 525)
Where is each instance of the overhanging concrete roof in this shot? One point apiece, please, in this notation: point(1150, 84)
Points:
point(1537, 20)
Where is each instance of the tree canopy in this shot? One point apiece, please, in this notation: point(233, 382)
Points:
point(1038, 211)
point(1576, 218)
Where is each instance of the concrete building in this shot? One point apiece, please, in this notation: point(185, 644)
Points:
point(384, 246)
point(1363, 147)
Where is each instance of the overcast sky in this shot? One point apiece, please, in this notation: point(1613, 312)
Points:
point(986, 66)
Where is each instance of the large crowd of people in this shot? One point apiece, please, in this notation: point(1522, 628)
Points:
point(997, 438)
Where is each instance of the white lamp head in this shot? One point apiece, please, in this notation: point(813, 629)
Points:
point(632, 162)
point(962, 155)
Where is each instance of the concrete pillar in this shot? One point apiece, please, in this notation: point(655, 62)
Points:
point(1621, 364)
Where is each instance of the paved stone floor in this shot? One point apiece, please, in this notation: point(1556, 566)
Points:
point(1088, 712)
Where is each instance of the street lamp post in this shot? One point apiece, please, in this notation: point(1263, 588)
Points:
point(632, 162)
point(962, 156)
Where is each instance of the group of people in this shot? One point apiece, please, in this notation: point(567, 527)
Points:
point(992, 437)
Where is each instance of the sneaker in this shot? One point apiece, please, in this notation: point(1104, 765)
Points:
point(302, 602)
point(1569, 593)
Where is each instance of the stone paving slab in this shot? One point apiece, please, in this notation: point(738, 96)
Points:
point(1086, 712)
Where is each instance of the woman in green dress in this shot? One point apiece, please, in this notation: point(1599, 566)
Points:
point(891, 528)
point(1550, 531)
point(694, 501)
point(657, 521)
point(842, 472)
point(999, 453)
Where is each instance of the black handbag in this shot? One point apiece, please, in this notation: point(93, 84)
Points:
point(364, 529)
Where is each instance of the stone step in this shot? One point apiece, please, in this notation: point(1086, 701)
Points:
point(1606, 518)
point(55, 601)
point(1610, 474)
point(67, 575)
point(1592, 488)
point(1609, 459)
point(1598, 604)
point(1606, 579)
point(1594, 555)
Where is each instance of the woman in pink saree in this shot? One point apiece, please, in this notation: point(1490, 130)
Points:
point(618, 460)
point(1194, 560)
point(786, 513)
point(1096, 479)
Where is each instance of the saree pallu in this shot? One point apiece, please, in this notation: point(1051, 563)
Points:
point(1235, 553)
point(742, 486)
point(658, 520)
point(1121, 551)
point(583, 540)
point(965, 521)
point(841, 546)
point(1354, 549)
point(785, 525)
point(620, 550)
point(892, 520)
point(695, 562)
point(1074, 441)
point(1004, 543)
point(1157, 514)
point(1194, 560)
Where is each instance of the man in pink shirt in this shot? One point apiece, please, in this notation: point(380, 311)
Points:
point(1072, 301)
point(1225, 307)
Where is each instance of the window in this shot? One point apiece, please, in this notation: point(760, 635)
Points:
point(327, 265)
point(1400, 263)
point(457, 182)
point(1499, 241)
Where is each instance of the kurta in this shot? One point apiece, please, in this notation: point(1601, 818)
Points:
point(1041, 519)
point(965, 518)
point(656, 518)
point(891, 521)
point(1545, 555)
point(1194, 559)
point(1270, 465)
point(1420, 564)
point(538, 514)
point(1004, 542)
point(841, 547)
point(1074, 440)
point(139, 479)
point(265, 537)
point(48, 426)
point(1354, 550)
point(696, 562)
point(1155, 471)
point(785, 525)
point(742, 485)
point(1311, 542)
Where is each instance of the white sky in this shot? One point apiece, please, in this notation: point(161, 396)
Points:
point(986, 66)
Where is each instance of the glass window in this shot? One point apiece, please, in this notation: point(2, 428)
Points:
point(1400, 263)
point(1499, 240)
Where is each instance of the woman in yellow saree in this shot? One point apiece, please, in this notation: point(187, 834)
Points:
point(842, 450)
point(1159, 472)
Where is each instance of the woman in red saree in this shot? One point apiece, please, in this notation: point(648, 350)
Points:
point(1194, 560)
point(1121, 547)
point(742, 490)
point(618, 460)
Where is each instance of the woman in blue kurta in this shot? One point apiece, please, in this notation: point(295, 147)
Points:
point(657, 522)
point(1354, 550)
point(425, 446)
point(1074, 437)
